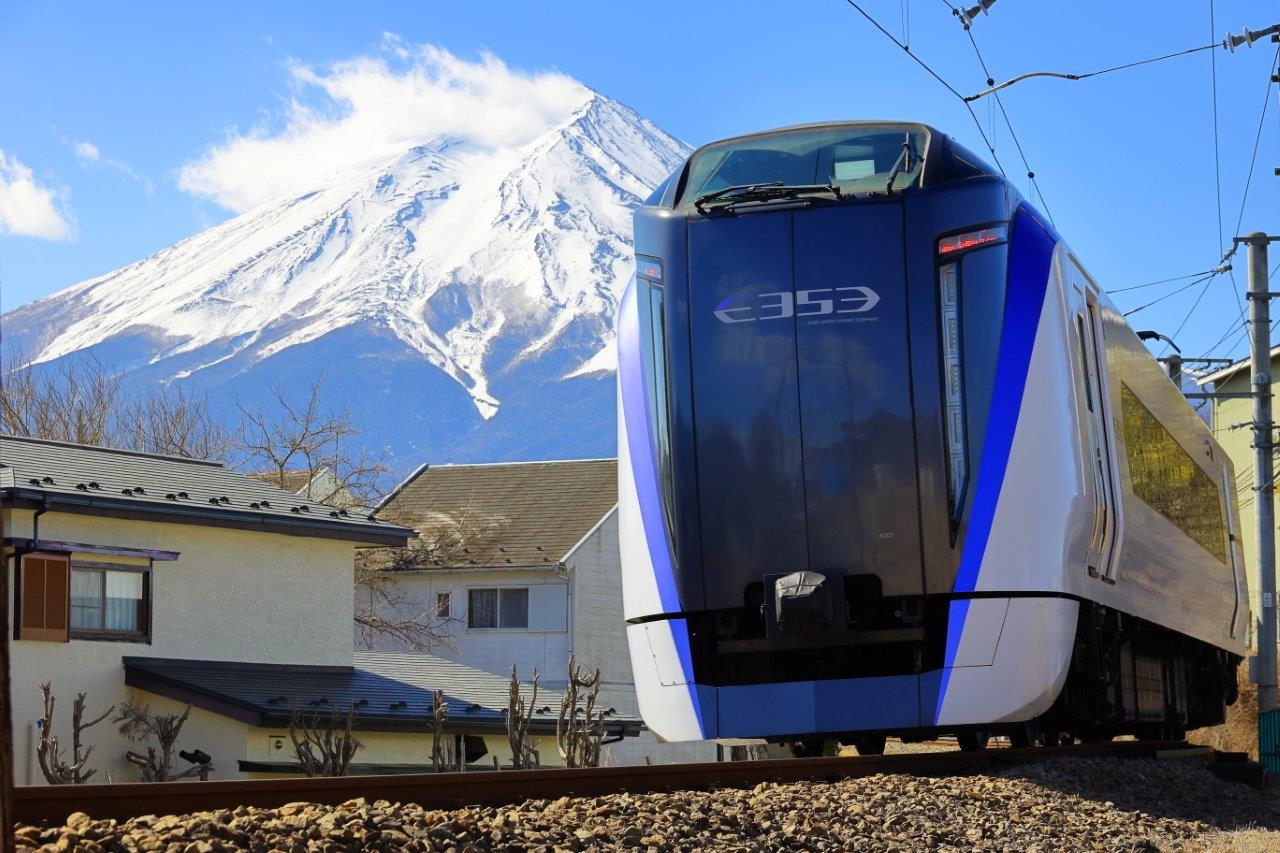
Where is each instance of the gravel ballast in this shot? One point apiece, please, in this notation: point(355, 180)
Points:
point(1076, 804)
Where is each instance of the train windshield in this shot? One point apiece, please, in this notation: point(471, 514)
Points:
point(852, 159)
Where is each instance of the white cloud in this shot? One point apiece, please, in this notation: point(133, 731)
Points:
point(87, 152)
point(90, 156)
point(360, 110)
point(26, 207)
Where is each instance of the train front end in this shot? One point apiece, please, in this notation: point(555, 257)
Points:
point(808, 363)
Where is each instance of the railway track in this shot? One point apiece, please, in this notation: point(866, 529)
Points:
point(451, 790)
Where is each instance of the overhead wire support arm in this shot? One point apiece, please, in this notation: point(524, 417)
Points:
point(1229, 43)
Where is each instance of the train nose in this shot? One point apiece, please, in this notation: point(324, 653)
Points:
point(802, 603)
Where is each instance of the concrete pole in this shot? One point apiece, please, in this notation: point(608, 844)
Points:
point(1263, 482)
point(1174, 365)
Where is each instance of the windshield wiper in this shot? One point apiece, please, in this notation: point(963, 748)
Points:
point(764, 192)
point(903, 162)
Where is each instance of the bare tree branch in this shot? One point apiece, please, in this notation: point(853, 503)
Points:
point(519, 715)
point(137, 724)
point(49, 751)
point(580, 727)
point(324, 747)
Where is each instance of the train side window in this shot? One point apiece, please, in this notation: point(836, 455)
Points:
point(1169, 480)
point(649, 299)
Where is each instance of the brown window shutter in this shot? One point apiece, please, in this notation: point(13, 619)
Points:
point(45, 587)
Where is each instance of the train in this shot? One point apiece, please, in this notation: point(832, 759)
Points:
point(891, 463)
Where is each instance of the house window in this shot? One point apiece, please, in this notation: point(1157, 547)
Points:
point(498, 608)
point(444, 604)
point(109, 603)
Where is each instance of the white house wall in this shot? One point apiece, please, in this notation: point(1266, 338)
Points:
point(231, 595)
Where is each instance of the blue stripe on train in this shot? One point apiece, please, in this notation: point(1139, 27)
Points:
point(1031, 248)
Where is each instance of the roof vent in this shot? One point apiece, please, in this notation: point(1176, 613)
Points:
point(170, 496)
point(475, 706)
point(538, 548)
point(265, 503)
point(224, 500)
point(183, 495)
point(138, 490)
point(304, 508)
point(255, 505)
point(81, 487)
point(361, 703)
point(502, 548)
point(127, 492)
point(506, 560)
point(396, 706)
point(213, 501)
point(48, 481)
point(35, 481)
point(93, 484)
point(545, 709)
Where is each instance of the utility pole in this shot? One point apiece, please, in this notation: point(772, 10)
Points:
point(1263, 478)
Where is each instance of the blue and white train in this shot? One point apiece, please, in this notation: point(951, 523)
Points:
point(891, 463)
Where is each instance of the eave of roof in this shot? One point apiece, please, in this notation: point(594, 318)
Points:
point(29, 498)
point(1232, 369)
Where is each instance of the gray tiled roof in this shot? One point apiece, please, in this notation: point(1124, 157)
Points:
point(263, 694)
point(83, 478)
point(521, 514)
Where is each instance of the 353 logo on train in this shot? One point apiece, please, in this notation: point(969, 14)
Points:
point(779, 305)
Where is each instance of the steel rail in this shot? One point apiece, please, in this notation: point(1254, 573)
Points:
point(37, 804)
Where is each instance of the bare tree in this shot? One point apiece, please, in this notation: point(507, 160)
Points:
point(173, 421)
point(389, 613)
point(74, 399)
point(439, 713)
point(56, 770)
point(138, 724)
point(78, 399)
point(301, 435)
point(324, 746)
point(519, 715)
point(580, 727)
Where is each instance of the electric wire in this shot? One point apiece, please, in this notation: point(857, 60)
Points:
point(936, 76)
point(1160, 281)
point(1175, 292)
point(1217, 157)
point(1257, 139)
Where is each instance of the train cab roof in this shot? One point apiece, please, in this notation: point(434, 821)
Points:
point(847, 157)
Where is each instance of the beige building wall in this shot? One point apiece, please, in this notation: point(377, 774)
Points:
point(1228, 417)
point(231, 595)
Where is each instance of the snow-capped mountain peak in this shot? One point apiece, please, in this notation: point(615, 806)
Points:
point(484, 264)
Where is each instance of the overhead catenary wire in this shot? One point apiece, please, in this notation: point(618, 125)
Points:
point(1174, 292)
point(1164, 281)
point(936, 76)
point(1031, 175)
point(994, 88)
point(1257, 139)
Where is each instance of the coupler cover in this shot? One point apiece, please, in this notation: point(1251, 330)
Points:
point(802, 602)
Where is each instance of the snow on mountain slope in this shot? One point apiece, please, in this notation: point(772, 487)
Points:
point(499, 269)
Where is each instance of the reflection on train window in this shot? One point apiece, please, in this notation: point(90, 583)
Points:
point(854, 159)
point(1167, 479)
point(654, 345)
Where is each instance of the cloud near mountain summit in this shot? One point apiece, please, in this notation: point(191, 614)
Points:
point(357, 111)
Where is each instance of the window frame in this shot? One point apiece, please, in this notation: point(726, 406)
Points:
point(444, 597)
point(143, 635)
point(497, 612)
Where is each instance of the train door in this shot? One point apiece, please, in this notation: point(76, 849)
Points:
point(1101, 476)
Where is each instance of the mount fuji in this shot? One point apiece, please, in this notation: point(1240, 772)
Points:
point(458, 298)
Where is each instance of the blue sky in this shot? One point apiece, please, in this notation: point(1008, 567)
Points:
point(108, 111)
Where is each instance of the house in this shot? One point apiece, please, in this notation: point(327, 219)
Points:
point(1232, 421)
point(178, 581)
point(520, 564)
point(321, 485)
